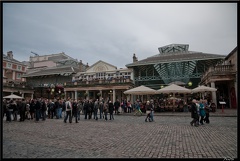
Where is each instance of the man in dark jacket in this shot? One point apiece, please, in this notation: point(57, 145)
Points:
point(86, 108)
point(194, 113)
point(22, 110)
point(111, 109)
point(116, 105)
point(37, 108)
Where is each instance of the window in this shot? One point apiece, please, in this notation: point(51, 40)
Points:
point(18, 75)
point(19, 67)
point(9, 65)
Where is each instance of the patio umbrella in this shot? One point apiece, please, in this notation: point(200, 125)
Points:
point(141, 90)
point(173, 88)
point(202, 89)
point(13, 96)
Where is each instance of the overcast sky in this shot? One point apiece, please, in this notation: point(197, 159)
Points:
point(112, 32)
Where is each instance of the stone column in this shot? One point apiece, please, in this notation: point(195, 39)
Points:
point(114, 95)
point(23, 95)
point(214, 97)
point(100, 91)
point(32, 96)
point(87, 91)
point(75, 94)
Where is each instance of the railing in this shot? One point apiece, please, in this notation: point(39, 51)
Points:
point(98, 82)
point(219, 69)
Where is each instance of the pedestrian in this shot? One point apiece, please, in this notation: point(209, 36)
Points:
point(105, 110)
point(37, 109)
point(32, 109)
point(27, 113)
point(101, 110)
point(86, 108)
point(80, 109)
point(111, 109)
point(44, 109)
point(4, 108)
point(90, 109)
point(148, 108)
point(22, 110)
point(194, 113)
point(68, 110)
point(10, 107)
point(16, 106)
point(207, 110)
point(95, 109)
point(129, 107)
point(152, 110)
point(201, 111)
point(60, 109)
point(56, 110)
point(75, 110)
point(137, 108)
point(116, 106)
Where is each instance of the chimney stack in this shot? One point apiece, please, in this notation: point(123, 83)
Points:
point(134, 58)
point(10, 54)
point(80, 66)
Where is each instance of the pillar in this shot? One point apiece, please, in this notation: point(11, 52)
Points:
point(75, 94)
point(65, 95)
point(32, 96)
point(100, 98)
point(22, 95)
point(114, 95)
point(214, 97)
point(87, 91)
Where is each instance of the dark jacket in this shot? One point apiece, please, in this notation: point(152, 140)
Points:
point(194, 113)
point(110, 107)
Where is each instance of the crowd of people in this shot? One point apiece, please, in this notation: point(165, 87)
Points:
point(42, 108)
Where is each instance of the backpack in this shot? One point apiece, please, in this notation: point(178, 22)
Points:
point(68, 106)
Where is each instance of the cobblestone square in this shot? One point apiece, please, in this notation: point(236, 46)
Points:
point(126, 136)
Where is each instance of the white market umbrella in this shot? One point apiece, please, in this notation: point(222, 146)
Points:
point(140, 90)
point(13, 96)
point(202, 89)
point(173, 88)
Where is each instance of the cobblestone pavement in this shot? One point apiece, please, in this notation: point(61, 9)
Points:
point(124, 137)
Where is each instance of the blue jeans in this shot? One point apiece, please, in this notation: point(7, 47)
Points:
point(101, 113)
point(68, 113)
point(151, 115)
point(57, 113)
point(95, 114)
point(60, 112)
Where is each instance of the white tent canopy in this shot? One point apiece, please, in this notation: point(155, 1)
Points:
point(141, 90)
point(173, 88)
point(203, 88)
point(13, 96)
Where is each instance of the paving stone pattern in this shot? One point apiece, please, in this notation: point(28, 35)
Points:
point(126, 136)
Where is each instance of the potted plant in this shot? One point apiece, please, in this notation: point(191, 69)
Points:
point(98, 94)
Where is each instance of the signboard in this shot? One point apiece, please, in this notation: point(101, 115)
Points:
point(222, 103)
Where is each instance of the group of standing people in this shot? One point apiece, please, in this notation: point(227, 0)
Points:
point(199, 112)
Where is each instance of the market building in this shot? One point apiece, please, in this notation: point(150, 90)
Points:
point(173, 63)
